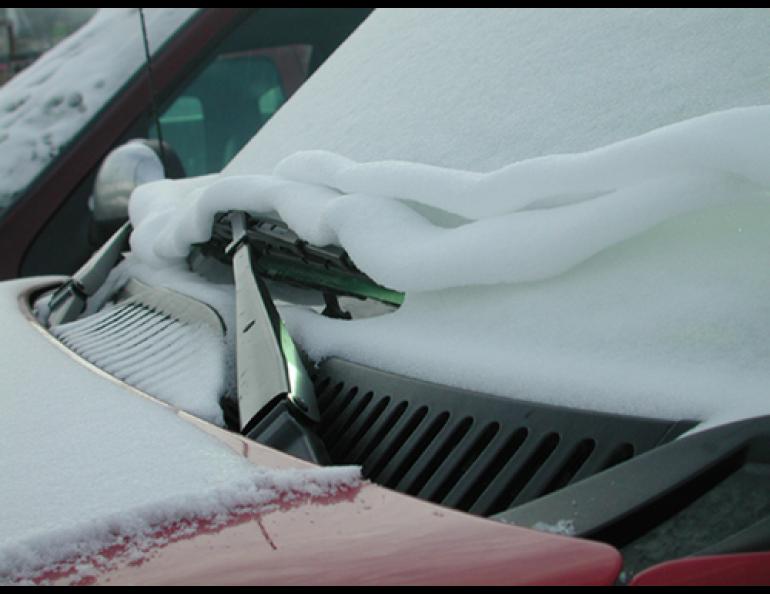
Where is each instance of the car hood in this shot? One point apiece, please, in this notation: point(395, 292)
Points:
point(97, 439)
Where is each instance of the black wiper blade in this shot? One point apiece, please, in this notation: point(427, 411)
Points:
point(284, 257)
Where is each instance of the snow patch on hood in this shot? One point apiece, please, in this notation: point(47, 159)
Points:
point(86, 465)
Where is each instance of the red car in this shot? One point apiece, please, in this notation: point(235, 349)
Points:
point(504, 261)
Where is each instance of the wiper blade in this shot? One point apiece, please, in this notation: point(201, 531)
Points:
point(284, 257)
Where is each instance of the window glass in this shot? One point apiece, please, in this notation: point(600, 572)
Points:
point(245, 79)
point(229, 100)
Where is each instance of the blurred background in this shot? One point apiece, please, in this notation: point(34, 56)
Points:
point(25, 33)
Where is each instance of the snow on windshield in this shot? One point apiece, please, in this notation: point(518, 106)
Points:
point(627, 276)
point(46, 105)
point(478, 90)
point(627, 279)
point(122, 469)
point(597, 233)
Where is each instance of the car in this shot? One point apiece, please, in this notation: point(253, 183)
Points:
point(506, 267)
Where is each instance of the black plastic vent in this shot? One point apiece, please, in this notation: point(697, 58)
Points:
point(466, 450)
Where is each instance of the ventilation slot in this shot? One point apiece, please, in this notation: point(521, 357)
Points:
point(534, 462)
point(391, 446)
point(337, 407)
point(326, 397)
point(346, 418)
point(572, 466)
point(342, 451)
point(418, 448)
point(438, 458)
point(469, 451)
point(493, 468)
point(367, 446)
point(460, 470)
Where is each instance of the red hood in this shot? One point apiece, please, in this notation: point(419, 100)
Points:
point(371, 536)
point(363, 536)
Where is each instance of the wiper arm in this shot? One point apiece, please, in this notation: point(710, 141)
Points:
point(69, 300)
point(276, 399)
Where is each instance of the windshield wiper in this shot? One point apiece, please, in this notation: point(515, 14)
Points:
point(286, 258)
point(69, 300)
point(276, 399)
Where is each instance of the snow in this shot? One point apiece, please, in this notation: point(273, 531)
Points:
point(540, 217)
point(178, 363)
point(477, 90)
point(599, 247)
point(577, 209)
point(44, 107)
point(563, 527)
point(625, 282)
point(86, 465)
point(204, 361)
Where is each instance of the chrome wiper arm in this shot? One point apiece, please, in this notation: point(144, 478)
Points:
point(270, 372)
point(69, 300)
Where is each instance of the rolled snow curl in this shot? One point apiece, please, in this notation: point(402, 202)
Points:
point(529, 221)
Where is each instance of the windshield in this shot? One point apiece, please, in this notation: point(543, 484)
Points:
point(481, 89)
point(626, 276)
point(578, 202)
point(48, 104)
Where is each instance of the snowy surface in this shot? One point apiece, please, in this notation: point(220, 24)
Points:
point(651, 297)
point(190, 367)
point(182, 364)
point(46, 105)
point(625, 276)
point(563, 527)
point(480, 89)
point(85, 464)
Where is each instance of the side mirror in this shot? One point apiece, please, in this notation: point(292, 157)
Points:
point(123, 170)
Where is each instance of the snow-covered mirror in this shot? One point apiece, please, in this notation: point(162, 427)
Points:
point(123, 170)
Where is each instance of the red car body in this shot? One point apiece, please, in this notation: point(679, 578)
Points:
point(374, 536)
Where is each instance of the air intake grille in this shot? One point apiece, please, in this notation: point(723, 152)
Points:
point(465, 450)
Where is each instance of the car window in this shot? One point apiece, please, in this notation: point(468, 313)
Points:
point(200, 124)
point(208, 113)
point(25, 33)
point(245, 80)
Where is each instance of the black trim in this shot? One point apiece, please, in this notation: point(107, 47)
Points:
point(470, 451)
